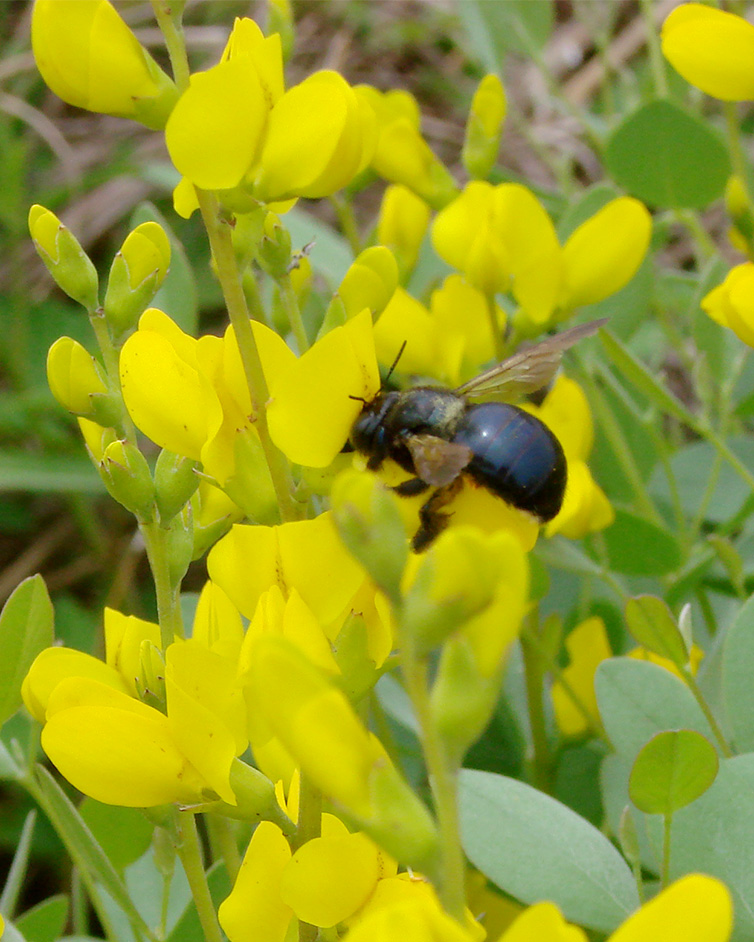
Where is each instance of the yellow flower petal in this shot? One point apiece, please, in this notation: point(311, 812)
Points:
point(541, 922)
point(695, 908)
point(215, 130)
point(254, 909)
point(54, 665)
point(587, 647)
point(604, 253)
point(329, 878)
point(311, 410)
point(711, 49)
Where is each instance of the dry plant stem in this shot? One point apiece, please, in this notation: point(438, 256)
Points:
point(450, 873)
point(235, 300)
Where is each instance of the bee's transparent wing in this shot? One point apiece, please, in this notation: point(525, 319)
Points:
point(437, 461)
point(527, 370)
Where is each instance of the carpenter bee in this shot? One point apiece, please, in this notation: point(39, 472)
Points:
point(438, 435)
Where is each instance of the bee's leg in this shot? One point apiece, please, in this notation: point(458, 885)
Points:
point(411, 488)
point(432, 521)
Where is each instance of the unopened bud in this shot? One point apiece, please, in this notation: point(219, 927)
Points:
point(126, 475)
point(66, 261)
point(136, 274)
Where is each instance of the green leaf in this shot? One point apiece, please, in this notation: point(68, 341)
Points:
point(25, 630)
point(495, 29)
point(535, 848)
point(23, 471)
point(123, 833)
point(652, 625)
point(667, 157)
point(81, 845)
point(45, 921)
point(637, 699)
point(177, 295)
point(738, 671)
point(694, 467)
point(673, 769)
point(715, 835)
point(640, 548)
point(635, 371)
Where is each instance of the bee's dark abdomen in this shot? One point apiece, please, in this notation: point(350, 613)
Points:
point(515, 456)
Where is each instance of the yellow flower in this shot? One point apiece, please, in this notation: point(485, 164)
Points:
point(401, 225)
point(75, 377)
point(215, 132)
point(712, 50)
point(91, 59)
point(401, 154)
point(587, 647)
point(484, 127)
point(502, 239)
point(732, 302)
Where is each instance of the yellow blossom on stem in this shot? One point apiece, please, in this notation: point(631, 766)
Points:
point(64, 257)
point(320, 729)
point(402, 223)
point(731, 304)
point(401, 154)
point(91, 59)
point(255, 908)
point(75, 377)
point(315, 400)
point(587, 647)
point(216, 129)
point(712, 49)
point(138, 270)
point(484, 127)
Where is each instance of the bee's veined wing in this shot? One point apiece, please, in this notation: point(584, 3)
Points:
point(437, 461)
point(527, 370)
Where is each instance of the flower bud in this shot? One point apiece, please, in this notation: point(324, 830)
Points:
point(454, 581)
point(484, 128)
point(75, 377)
point(274, 252)
point(175, 481)
point(137, 272)
point(180, 543)
point(370, 281)
point(66, 261)
point(91, 59)
point(150, 681)
point(401, 226)
point(126, 475)
point(256, 798)
point(462, 698)
point(369, 523)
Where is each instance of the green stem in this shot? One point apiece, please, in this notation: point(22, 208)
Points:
point(347, 222)
point(665, 867)
point(534, 673)
point(498, 342)
point(174, 41)
point(656, 61)
point(235, 300)
point(111, 359)
point(705, 244)
point(293, 313)
point(618, 444)
point(169, 612)
point(309, 827)
point(189, 850)
point(704, 706)
point(223, 837)
point(737, 154)
point(450, 876)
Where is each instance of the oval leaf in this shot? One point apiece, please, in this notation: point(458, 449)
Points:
point(25, 629)
point(535, 848)
point(668, 158)
point(671, 771)
point(637, 699)
point(738, 671)
point(640, 548)
point(651, 623)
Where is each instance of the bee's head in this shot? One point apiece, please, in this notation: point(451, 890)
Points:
point(369, 434)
